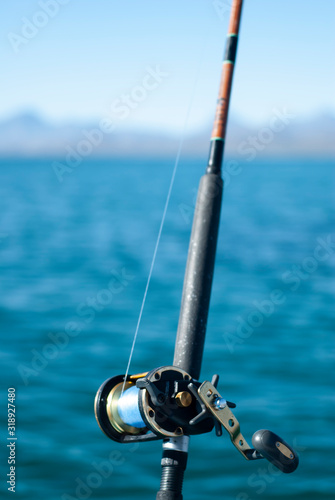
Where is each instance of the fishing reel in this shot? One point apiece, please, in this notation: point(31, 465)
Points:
point(167, 403)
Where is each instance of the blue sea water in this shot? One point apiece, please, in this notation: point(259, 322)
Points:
point(62, 334)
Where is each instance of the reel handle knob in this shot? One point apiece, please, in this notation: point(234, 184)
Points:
point(276, 450)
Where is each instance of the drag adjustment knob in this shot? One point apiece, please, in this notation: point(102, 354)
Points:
point(276, 450)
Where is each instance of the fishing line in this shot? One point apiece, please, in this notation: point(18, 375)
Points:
point(176, 164)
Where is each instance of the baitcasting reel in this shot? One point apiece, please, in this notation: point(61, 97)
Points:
point(167, 403)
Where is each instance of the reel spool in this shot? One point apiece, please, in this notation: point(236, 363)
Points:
point(107, 415)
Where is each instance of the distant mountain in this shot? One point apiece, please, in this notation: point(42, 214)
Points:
point(27, 135)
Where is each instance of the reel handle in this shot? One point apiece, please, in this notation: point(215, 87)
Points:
point(276, 450)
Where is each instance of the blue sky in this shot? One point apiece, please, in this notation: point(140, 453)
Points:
point(81, 61)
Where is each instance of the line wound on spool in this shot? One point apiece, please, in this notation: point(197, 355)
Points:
point(127, 407)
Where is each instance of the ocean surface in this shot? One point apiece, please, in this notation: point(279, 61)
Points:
point(63, 331)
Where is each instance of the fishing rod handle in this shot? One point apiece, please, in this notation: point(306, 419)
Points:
point(173, 467)
point(198, 277)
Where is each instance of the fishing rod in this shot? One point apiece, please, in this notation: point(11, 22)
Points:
point(170, 402)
